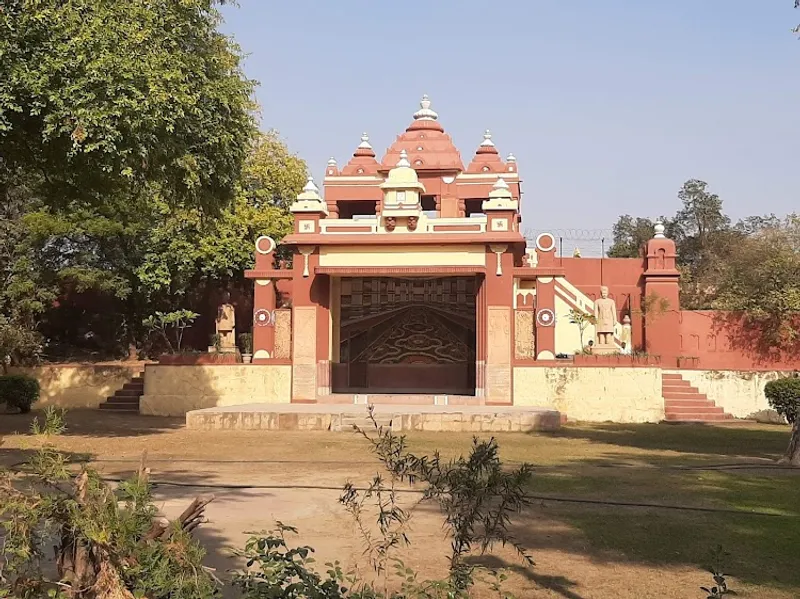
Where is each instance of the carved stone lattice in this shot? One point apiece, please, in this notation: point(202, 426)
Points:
point(283, 334)
point(525, 348)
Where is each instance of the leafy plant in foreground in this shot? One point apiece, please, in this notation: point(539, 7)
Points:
point(720, 588)
point(54, 422)
point(108, 543)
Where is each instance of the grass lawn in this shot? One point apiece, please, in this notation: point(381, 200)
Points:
point(622, 511)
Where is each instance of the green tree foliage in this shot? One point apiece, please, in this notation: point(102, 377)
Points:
point(760, 276)
point(631, 235)
point(132, 174)
point(119, 100)
point(784, 397)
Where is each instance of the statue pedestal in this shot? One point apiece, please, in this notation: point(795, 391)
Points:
point(604, 350)
point(222, 350)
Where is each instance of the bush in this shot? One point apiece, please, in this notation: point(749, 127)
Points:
point(19, 391)
point(784, 396)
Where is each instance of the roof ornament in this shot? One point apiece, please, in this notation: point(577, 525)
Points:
point(659, 230)
point(425, 113)
point(511, 158)
point(403, 160)
point(310, 187)
point(487, 140)
point(365, 142)
point(500, 184)
point(331, 161)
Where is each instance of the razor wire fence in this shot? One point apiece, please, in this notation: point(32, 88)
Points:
point(590, 243)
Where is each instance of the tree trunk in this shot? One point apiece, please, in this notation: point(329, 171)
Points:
point(792, 456)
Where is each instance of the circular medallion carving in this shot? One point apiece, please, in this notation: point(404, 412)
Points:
point(263, 318)
point(545, 317)
point(546, 242)
point(265, 245)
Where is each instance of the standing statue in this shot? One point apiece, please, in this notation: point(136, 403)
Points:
point(226, 324)
point(605, 313)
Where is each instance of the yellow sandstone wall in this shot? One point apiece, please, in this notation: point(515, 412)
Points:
point(74, 386)
point(740, 393)
point(592, 394)
point(175, 390)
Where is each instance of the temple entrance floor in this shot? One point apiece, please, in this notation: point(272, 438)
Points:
point(342, 417)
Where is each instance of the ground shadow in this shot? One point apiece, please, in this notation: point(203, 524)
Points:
point(94, 423)
point(729, 441)
point(560, 585)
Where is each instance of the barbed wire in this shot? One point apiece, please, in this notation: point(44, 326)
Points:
point(591, 243)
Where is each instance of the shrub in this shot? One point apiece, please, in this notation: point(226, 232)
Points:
point(784, 396)
point(19, 391)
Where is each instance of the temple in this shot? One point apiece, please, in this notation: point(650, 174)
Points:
point(411, 275)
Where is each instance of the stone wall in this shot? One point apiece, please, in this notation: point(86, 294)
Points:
point(738, 392)
point(175, 390)
point(601, 394)
point(74, 386)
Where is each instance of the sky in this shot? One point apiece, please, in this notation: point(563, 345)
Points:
point(609, 106)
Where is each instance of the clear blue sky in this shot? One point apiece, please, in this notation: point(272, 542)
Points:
point(608, 105)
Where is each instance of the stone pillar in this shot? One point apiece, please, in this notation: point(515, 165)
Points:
point(662, 299)
point(264, 320)
point(499, 324)
point(480, 337)
point(546, 318)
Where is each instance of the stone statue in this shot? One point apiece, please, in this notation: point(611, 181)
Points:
point(391, 223)
point(226, 325)
point(605, 313)
point(412, 223)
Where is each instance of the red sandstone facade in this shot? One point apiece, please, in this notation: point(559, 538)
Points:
point(411, 276)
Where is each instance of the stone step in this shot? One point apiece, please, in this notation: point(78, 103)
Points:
point(689, 403)
point(679, 389)
point(694, 410)
point(675, 383)
point(686, 396)
point(696, 417)
point(120, 407)
point(137, 386)
point(671, 377)
point(128, 393)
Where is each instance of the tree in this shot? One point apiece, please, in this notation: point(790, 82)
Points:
point(583, 321)
point(760, 277)
point(784, 396)
point(630, 236)
point(102, 101)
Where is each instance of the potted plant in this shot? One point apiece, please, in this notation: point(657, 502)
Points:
point(246, 343)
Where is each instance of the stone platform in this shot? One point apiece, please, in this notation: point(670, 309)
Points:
point(331, 417)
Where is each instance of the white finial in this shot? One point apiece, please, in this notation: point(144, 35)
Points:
point(425, 113)
point(487, 140)
point(365, 142)
point(511, 158)
point(332, 161)
point(500, 184)
point(659, 229)
point(310, 186)
point(403, 159)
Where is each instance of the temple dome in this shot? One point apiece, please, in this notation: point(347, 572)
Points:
point(363, 161)
point(486, 159)
point(425, 142)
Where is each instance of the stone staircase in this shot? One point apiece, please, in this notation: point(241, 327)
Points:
point(684, 403)
point(127, 398)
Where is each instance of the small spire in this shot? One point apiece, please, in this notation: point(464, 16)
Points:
point(659, 229)
point(331, 161)
point(500, 184)
point(425, 113)
point(310, 186)
point(403, 159)
point(511, 158)
point(487, 140)
point(365, 142)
